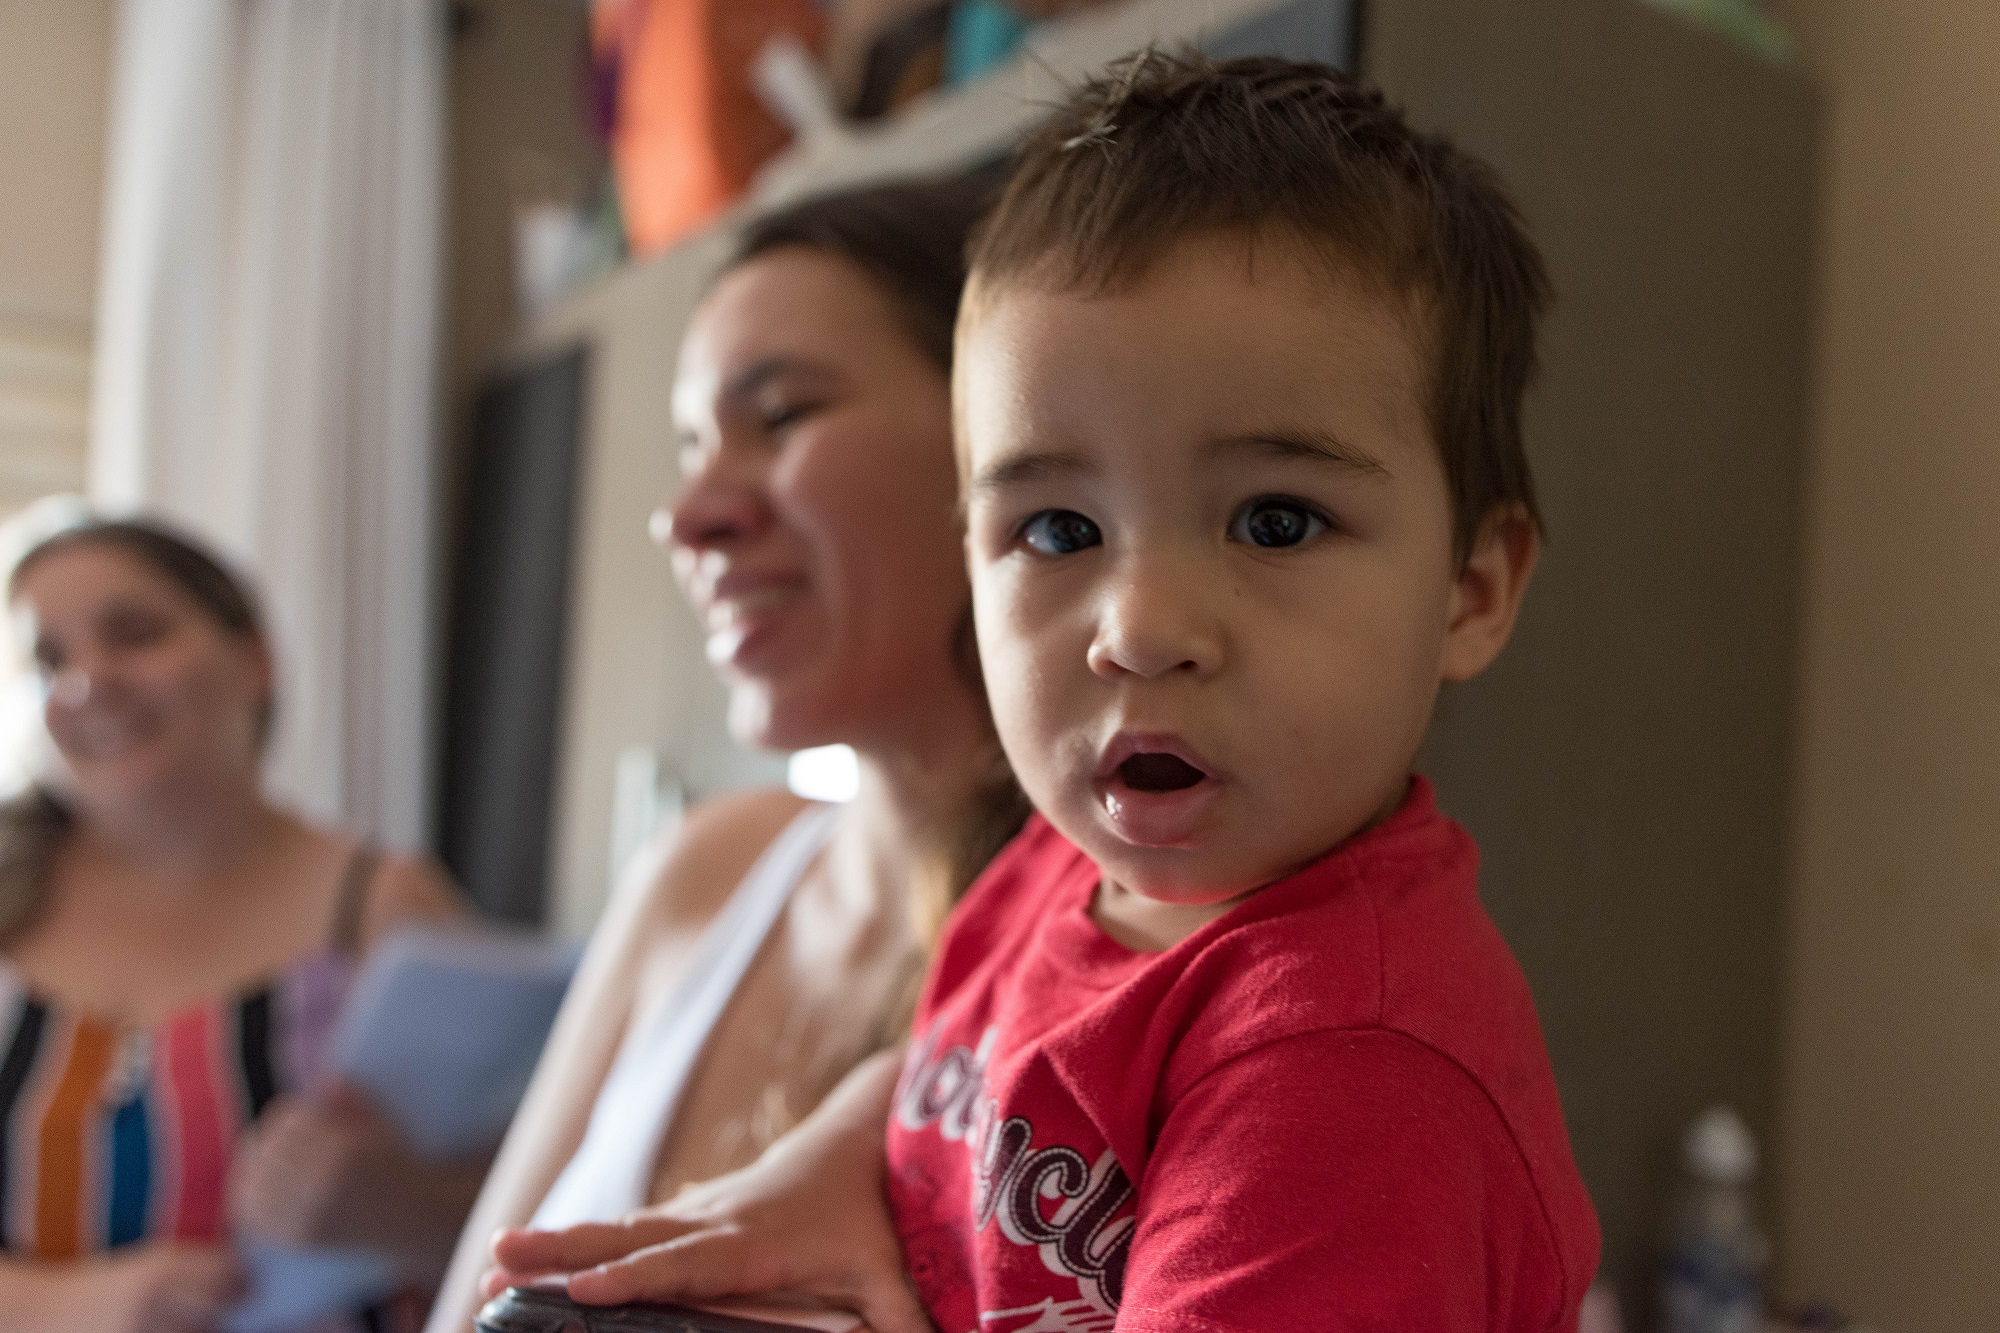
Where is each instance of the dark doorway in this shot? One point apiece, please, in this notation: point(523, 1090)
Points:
point(503, 698)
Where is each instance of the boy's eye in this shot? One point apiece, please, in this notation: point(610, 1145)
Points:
point(1275, 522)
point(1060, 532)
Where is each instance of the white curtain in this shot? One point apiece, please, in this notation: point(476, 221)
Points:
point(267, 352)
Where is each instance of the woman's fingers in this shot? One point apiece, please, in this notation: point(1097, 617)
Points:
point(807, 1218)
point(702, 1266)
point(283, 1177)
point(345, 1099)
point(721, 1262)
point(584, 1246)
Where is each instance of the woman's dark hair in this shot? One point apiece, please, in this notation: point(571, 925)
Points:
point(184, 561)
point(911, 240)
point(32, 825)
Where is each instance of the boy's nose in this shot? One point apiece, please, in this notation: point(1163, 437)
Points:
point(1152, 623)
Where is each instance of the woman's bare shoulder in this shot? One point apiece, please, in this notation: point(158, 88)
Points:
point(410, 889)
point(400, 888)
point(689, 873)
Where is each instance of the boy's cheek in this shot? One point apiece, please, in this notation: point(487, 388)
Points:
point(1040, 721)
point(1018, 614)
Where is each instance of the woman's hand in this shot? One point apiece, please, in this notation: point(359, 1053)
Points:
point(807, 1219)
point(331, 1170)
point(157, 1287)
point(311, 1169)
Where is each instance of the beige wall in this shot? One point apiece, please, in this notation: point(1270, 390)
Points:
point(517, 127)
point(54, 64)
point(1891, 1172)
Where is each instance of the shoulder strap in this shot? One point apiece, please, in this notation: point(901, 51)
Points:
point(612, 1169)
point(352, 903)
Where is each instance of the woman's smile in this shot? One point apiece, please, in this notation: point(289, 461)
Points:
point(743, 617)
point(742, 609)
point(102, 734)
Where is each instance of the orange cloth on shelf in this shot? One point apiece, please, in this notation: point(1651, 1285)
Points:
point(691, 129)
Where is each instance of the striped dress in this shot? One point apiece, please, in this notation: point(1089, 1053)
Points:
point(113, 1133)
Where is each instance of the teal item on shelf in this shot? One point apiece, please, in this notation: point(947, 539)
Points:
point(1744, 22)
point(981, 35)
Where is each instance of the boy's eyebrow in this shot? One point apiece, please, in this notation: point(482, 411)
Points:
point(1021, 468)
point(1313, 445)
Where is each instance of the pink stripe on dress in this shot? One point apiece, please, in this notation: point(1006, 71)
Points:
point(206, 1121)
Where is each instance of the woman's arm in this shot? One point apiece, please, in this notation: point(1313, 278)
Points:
point(809, 1218)
point(158, 1287)
point(329, 1168)
point(549, 1125)
point(653, 922)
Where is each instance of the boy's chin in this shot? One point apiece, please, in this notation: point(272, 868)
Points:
point(1173, 876)
point(1216, 866)
point(1214, 871)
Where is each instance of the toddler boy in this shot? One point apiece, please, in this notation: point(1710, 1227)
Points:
point(1224, 1040)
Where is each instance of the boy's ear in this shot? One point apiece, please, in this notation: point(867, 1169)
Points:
point(1487, 596)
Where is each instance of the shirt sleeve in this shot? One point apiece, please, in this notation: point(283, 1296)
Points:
point(1348, 1180)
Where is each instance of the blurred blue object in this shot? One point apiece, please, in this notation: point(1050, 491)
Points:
point(982, 34)
point(443, 1030)
point(291, 1288)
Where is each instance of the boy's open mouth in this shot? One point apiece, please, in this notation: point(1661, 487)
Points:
point(1159, 772)
point(1155, 788)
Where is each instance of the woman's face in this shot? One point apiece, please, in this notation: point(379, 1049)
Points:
point(147, 695)
point(817, 531)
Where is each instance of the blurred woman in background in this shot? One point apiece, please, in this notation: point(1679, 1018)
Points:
point(173, 948)
point(773, 944)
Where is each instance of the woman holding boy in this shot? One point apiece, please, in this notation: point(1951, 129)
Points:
point(1223, 1041)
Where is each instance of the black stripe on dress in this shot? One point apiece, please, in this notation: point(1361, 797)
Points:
point(21, 1051)
point(253, 1036)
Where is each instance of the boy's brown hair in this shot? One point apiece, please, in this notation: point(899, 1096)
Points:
point(1167, 145)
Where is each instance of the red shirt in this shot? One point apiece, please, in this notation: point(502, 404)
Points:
point(1334, 1103)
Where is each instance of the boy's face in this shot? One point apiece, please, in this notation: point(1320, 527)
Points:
point(1211, 554)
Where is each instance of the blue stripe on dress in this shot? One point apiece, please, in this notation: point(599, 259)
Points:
point(131, 1172)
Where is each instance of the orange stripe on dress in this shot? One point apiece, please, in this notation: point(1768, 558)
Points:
point(67, 1124)
point(205, 1123)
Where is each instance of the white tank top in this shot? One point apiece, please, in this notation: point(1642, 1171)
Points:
point(612, 1171)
